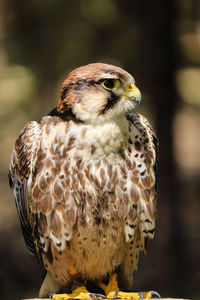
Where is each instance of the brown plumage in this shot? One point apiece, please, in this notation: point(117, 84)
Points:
point(84, 180)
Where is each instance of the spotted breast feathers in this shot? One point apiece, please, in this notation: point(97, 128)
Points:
point(69, 186)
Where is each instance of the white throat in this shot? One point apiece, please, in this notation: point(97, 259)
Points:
point(104, 138)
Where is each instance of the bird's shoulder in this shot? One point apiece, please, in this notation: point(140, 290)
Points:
point(32, 144)
point(24, 150)
point(142, 133)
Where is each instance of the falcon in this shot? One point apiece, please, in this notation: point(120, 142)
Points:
point(83, 179)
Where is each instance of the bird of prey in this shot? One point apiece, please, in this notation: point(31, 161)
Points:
point(83, 179)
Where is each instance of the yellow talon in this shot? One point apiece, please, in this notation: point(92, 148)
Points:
point(110, 291)
point(111, 288)
point(124, 295)
point(147, 295)
point(129, 295)
point(79, 293)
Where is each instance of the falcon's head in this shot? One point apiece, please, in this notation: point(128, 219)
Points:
point(98, 92)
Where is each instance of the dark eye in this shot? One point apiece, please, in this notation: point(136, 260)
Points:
point(110, 84)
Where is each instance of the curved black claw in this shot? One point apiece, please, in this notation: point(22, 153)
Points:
point(154, 293)
point(115, 294)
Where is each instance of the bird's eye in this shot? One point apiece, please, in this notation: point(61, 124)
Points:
point(110, 84)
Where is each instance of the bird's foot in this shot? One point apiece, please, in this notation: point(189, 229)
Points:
point(111, 287)
point(129, 295)
point(112, 291)
point(79, 293)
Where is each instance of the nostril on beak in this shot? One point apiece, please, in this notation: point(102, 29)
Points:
point(131, 87)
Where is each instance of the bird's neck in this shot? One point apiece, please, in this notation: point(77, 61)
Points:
point(104, 138)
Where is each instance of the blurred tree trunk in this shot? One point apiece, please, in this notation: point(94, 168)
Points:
point(159, 59)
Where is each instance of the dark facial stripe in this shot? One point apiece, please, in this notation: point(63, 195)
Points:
point(112, 101)
point(67, 115)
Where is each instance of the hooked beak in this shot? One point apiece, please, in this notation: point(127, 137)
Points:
point(133, 94)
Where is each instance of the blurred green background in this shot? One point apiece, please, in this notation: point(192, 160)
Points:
point(158, 42)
